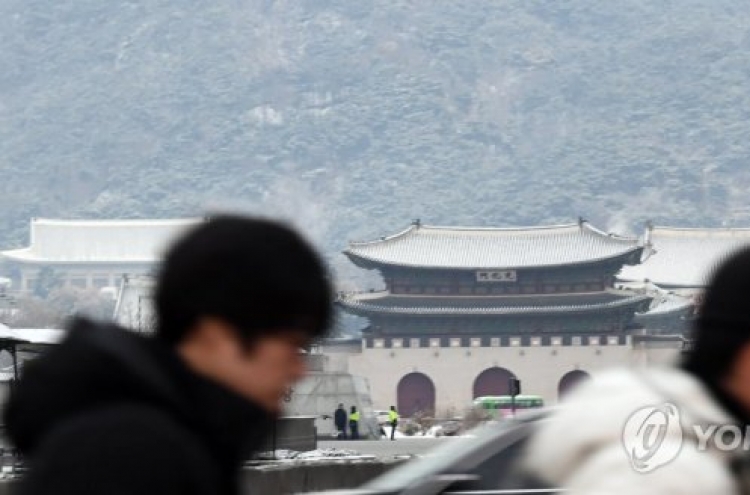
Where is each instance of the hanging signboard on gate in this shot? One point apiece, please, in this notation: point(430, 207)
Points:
point(497, 276)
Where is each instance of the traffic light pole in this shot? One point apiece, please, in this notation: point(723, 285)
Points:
point(515, 389)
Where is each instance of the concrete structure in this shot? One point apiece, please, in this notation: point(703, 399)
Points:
point(297, 433)
point(322, 390)
point(92, 253)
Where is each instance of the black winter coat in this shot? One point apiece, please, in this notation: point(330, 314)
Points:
point(339, 418)
point(110, 412)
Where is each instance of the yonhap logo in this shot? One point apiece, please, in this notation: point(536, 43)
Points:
point(644, 437)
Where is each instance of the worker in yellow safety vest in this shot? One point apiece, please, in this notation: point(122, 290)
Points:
point(354, 424)
point(393, 421)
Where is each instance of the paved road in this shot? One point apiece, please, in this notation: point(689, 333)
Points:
point(387, 448)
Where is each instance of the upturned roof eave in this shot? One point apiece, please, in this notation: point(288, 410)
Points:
point(26, 256)
point(372, 263)
point(365, 309)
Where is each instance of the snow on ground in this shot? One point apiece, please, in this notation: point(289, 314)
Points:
point(314, 455)
point(371, 446)
point(387, 435)
point(437, 431)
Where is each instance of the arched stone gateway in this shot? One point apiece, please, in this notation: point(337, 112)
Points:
point(492, 381)
point(569, 381)
point(415, 394)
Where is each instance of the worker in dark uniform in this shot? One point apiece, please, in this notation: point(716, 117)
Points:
point(339, 420)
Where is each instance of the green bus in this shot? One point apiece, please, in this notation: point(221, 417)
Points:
point(500, 406)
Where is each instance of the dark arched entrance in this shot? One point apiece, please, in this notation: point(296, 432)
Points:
point(492, 381)
point(569, 381)
point(415, 394)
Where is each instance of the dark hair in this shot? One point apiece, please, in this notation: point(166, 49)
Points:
point(723, 325)
point(257, 275)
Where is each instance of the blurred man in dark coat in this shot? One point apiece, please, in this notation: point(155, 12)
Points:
point(112, 412)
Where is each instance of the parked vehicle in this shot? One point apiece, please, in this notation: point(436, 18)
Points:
point(382, 417)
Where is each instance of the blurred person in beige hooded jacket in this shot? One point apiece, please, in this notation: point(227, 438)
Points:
point(679, 430)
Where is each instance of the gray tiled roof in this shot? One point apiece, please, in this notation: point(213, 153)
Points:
point(368, 303)
point(686, 257)
point(451, 247)
point(670, 304)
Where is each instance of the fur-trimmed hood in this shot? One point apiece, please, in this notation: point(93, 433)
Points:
point(581, 448)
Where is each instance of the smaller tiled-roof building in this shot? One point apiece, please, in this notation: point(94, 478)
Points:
point(678, 265)
point(684, 258)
